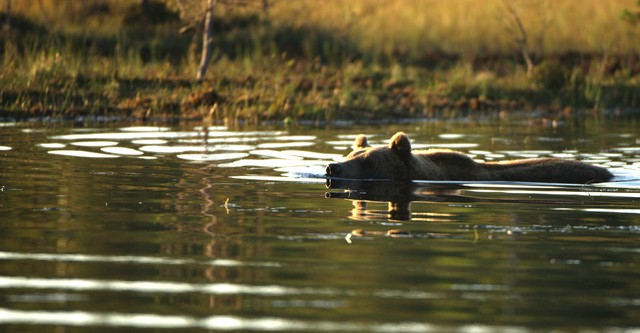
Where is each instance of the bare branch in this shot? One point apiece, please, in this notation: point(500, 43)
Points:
point(207, 40)
point(522, 40)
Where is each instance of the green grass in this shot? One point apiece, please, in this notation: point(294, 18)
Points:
point(342, 60)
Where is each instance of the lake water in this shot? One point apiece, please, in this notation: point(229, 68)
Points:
point(150, 229)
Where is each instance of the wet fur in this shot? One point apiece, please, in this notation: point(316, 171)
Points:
point(397, 161)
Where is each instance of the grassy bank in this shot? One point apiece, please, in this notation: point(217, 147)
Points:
point(360, 59)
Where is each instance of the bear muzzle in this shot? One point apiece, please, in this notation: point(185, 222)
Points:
point(334, 170)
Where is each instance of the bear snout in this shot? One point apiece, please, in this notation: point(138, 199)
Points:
point(334, 169)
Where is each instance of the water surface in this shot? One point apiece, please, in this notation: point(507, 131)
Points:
point(159, 227)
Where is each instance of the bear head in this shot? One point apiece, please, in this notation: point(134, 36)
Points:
point(365, 162)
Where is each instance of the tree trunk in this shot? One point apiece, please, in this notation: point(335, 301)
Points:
point(7, 24)
point(207, 40)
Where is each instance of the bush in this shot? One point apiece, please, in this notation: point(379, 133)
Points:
point(549, 75)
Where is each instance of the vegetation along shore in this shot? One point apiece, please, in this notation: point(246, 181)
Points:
point(277, 60)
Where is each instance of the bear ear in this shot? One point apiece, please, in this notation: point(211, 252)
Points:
point(400, 143)
point(360, 142)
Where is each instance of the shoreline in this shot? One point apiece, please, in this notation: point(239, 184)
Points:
point(539, 117)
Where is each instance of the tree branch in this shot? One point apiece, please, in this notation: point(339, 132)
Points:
point(207, 40)
point(522, 40)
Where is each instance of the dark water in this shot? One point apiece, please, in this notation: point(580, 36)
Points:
point(237, 235)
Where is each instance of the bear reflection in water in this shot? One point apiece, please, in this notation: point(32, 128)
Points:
point(398, 162)
point(398, 196)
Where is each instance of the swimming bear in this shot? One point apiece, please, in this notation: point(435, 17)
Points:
point(398, 162)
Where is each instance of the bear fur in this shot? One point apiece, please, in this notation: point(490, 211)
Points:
point(398, 162)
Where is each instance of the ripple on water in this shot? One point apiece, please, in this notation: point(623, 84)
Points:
point(227, 146)
point(171, 149)
point(212, 157)
point(81, 318)
point(230, 147)
point(231, 140)
point(70, 257)
point(564, 155)
point(148, 286)
point(603, 210)
point(270, 163)
point(121, 151)
point(230, 323)
point(149, 142)
point(126, 135)
point(275, 145)
point(274, 154)
point(286, 178)
point(145, 129)
point(81, 153)
point(295, 138)
point(52, 145)
point(451, 136)
point(94, 143)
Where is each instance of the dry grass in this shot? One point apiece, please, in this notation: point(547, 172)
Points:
point(414, 26)
point(465, 27)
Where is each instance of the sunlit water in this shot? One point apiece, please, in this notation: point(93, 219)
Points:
point(157, 228)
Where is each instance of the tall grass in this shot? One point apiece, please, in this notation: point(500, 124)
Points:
point(410, 28)
point(466, 27)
